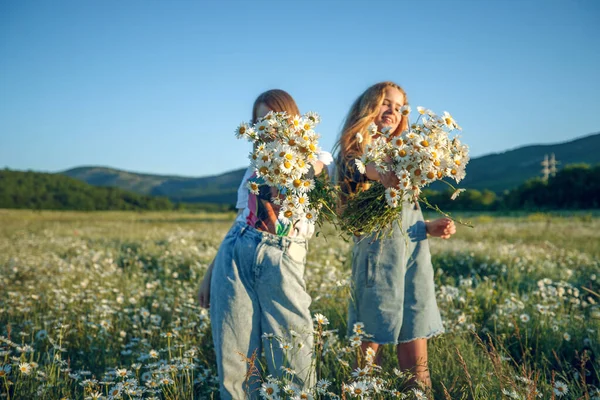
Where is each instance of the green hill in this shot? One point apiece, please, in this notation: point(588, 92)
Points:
point(504, 171)
point(497, 172)
point(211, 189)
point(38, 190)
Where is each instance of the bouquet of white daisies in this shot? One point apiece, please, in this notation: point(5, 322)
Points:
point(420, 155)
point(285, 152)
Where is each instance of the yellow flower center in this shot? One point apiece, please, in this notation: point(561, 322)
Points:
point(297, 183)
point(424, 143)
point(430, 175)
point(287, 164)
point(288, 214)
point(288, 156)
point(402, 153)
point(454, 172)
point(457, 162)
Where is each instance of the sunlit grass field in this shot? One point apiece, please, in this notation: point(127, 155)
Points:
point(103, 305)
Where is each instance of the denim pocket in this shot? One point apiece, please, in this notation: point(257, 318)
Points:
point(296, 253)
point(268, 255)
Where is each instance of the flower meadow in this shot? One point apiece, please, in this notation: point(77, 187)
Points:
point(103, 306)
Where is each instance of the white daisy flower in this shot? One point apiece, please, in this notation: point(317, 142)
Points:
point(405, 110)
point(321, 319)
point(314, 117)
point(253, 187)
point(560, 388)
point(269, 390)
point(358, 328)
point(361, 372)
point(311, 216)
point(25, 368)
point(360, 166)
point(392, 196)
point(372, 129)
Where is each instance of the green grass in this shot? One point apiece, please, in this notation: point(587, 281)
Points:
point(85, 297)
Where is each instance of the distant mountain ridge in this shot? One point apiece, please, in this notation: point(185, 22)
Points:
point(220, 189)
point(504, 171)
point(497, 172)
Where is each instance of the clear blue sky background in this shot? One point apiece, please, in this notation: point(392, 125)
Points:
point(159, 86)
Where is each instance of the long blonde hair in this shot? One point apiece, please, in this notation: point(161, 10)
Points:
point(362, 113)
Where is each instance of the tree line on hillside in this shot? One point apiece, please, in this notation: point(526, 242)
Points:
point(44, 191)
point(576, 186)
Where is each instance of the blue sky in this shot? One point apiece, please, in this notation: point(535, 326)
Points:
point(159, 86)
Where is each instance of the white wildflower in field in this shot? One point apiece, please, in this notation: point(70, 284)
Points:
point(359, 389)
point(288, 370)
point(358, 328)
point(419, 395)
point(122, 373)
point(493, 276)
point(269, 390)
point(25, 368)
point(321, 319)
point(361, 372)
point(560, 388)
point(323, 385)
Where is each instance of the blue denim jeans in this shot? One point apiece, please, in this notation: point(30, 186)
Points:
point(257, 287)
point(393, 290)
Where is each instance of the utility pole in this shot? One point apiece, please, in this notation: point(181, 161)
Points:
point(549, 166)
point(545, 168)
point(553, 164)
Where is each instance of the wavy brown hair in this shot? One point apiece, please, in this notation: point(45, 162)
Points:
point(277, 100)
point(362, 113)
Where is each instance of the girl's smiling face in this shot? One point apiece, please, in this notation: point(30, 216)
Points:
point(389, 112)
